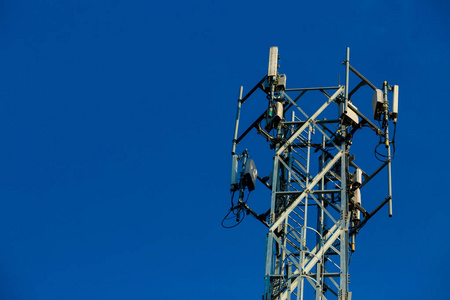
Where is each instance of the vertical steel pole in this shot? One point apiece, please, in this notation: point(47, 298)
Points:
point(389, 181)
point(344, 199)
point(270, 261)
point(388, 145)
point(270, 236)
point(304, 251)
point(347, 67)
point(320, 225)
point(290, 152)
point(236, 125)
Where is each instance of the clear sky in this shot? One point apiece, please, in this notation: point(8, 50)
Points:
point(116, 120)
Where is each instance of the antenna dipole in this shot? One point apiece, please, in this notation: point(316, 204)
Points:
point(315, 208)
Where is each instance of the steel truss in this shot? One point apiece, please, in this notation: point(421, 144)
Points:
point(315, 212)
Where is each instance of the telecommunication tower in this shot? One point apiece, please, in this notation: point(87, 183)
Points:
point(315, 208)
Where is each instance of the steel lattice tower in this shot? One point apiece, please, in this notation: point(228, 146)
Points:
point(315, 184)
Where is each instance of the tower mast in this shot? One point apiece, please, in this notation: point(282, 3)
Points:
point(315, 208)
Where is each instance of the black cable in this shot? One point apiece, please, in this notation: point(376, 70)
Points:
point(382, 157)
point(395, 129)
point(393, 140)
point(225, 218)
point(378, 155)
point(247, 197)
point(238, 212)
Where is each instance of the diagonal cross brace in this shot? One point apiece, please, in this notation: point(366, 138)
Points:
point(305, 192)
point(315, 125)
point(310, 120)
point(322, 251)
point(311, 263)
point(312, 195)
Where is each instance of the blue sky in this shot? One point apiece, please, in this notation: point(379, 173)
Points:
point(116, 120)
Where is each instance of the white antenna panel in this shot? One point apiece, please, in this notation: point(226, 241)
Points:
point(273, 61)
point(357, 177)
point(377, 104)
point(395, 103)
point(250, 174)
point(234, 169)
point(350, 116)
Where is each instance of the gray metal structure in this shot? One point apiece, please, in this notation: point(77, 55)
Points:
point(315, 209)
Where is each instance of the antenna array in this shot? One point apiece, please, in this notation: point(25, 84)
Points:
point(315, 210)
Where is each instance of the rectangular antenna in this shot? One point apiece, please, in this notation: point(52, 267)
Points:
point(273, 61)
point(395, 103)
point(377, 104)
point(234, 171)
